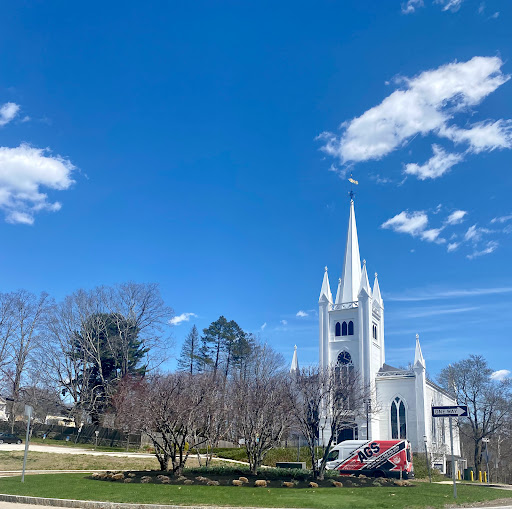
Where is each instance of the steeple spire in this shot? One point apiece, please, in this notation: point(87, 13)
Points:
point(325, 292)
point(294, 368)
point(376, 292)
point(351, 275)
point(365, 284)
point(419, 361)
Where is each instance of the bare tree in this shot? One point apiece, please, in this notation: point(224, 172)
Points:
point(25, 329)
point(261, 405)
point(331, 396)
point(489, 400)
point(169, 409)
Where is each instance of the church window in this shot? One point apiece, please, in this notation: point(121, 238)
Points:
point(351, 328)
point(338, 329)
point(398, 419)
point(344, 329)
point(374, 332)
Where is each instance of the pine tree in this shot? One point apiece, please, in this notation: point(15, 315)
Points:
point(189, 359)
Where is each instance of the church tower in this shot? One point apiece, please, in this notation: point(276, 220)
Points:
point(351, 329)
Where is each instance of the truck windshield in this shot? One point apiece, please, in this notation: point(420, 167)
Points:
point(333, 455)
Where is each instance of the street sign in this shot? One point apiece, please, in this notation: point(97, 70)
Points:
point(450, 411)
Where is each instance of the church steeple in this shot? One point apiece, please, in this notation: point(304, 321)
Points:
point(294, 368)
point(365, 284)
point(325, 292)
point(419, 361)
point(351, 275)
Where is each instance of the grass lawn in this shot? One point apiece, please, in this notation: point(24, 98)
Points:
point(75, 486)
point(13, 460)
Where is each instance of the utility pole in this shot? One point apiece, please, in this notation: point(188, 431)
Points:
point(427, 459)
point(486, 441)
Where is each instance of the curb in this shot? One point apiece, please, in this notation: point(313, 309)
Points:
point(92, 504)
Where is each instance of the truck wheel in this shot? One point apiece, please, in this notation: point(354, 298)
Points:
point(379, 473)
point(1, 441)
point(18, 442)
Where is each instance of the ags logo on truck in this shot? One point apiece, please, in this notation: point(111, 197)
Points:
point(386, 458)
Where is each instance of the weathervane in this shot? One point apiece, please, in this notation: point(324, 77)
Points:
point(352, 181)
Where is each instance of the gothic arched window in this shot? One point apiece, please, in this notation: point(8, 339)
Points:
point(351, 328)
point(398, 419)
point(338, 329)
point(344, 329)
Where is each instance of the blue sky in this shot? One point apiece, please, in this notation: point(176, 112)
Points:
point(205, 146)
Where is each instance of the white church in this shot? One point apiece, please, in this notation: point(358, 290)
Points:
point(351, 332)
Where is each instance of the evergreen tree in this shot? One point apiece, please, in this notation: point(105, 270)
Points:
point(189, 359)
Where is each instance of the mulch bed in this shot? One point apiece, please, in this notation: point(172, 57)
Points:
point(210, 479)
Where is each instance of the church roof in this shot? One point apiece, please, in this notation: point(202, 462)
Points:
point(388, 370)
point(351, 275)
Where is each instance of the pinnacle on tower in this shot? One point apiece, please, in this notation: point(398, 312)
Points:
point(419, 361)
point(365, 284)
point(325, 292)
point(351, 275)
point(376, 292)
point(338, 293)
point(294, 368)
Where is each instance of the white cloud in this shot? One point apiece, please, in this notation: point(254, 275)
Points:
point(450, 5)
point(432, 235)
point(412, 223)
point(495, 15)
point(491, 246)
point(500, 375)
point(436, 166)
point(263, 326)
point(417, 295)
point(474, 233)
point(456, 217)
point(24, 170)
point(501, 219)
point(411, 6)
point(482, 136)
point(424, 105)
point(301, 314)
point(179, 319)
point(7, 112)
point(481, 8)
point(284, 322)
point(452, 246)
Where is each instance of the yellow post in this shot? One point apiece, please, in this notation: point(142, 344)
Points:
point(472, 476)
point(479, 476)
point(458, 475)
point(485, 476)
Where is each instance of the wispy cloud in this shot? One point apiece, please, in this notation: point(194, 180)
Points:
point(301, 314)
point(179, 319)
point(8, 112)
point(450, 5)
point(456, 217)
point(414, 224)
point(262, 328)
point(284, 322)
point(436, 166)
point(435, 311)
point(411, 6)
point(501, 374)
point(438, 294)
point(501, 219)
point(490, 247)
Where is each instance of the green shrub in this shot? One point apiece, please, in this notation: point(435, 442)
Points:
point(421, 469)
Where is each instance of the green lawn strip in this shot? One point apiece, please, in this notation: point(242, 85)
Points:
point(75, 486)
point(13, 460)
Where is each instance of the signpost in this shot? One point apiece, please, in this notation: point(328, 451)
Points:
point(450, 412)
point(486, 441)
point(28, 413)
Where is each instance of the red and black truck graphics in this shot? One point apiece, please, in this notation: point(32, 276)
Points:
point(379, 458)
